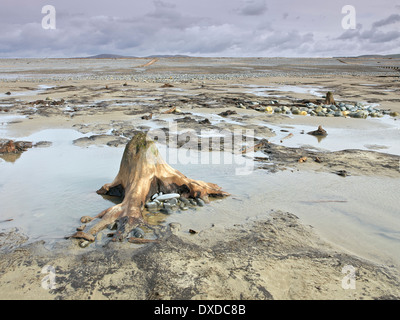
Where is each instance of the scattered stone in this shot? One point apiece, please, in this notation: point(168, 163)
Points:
point(8, 93)
point(205, 121)
point(191, 231)
point(200, 202)
point(302, 159)
point(167, 85)
point(168, 196)
point(137, 233)
point(84, 243)
point(167, 211)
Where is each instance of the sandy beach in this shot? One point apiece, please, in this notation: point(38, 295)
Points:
point(308, 217)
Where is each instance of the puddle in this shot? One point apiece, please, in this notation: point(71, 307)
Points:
point(265, 91)
point(47, 190)
point(386, 139)
point(41, 89)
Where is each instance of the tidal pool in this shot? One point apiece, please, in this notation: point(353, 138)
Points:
point(46, 191)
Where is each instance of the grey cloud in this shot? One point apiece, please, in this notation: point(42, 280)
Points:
point(253, 7)
point(389, 20)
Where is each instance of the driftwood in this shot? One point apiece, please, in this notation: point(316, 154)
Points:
point(143, 173)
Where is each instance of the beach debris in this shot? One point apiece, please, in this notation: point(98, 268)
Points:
point(227, 113)
point(167, 85)
point(142, 174)
point(205, 121)
point(191, 231)
point(319, 132)
point(150, 116)
point(255, 148)
point(171, 110)
point(342, 173)
point(7, 220)
point(302, 159)
point(148, 63)
point(394, 114)
point(8, 93)
point(287, 137)
point(318, 160)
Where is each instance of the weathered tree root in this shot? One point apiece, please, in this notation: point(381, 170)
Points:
point(142, 173)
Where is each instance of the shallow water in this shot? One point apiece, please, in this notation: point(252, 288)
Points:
point(383, 135)
point(47, 190)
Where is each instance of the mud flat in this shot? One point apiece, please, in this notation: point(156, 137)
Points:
point(309, 217)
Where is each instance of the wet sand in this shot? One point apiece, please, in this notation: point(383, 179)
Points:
point(288, 229)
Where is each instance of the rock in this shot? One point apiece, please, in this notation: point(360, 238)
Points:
point(200, 202)
point(84, 243)
point(151, 205)
point(166, 211)
point(295, 111)
point(172, 202)
point(168, 196)
point(318, 109)
point(8, 93)
point(269, 109)
point(184, 201)
point(205, 121)
point(137, 233)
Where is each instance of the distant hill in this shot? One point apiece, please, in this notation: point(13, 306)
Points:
point(388, 56)
point(116, 56)
point(107, 56)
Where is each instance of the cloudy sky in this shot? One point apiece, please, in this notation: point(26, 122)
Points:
point(267, 28)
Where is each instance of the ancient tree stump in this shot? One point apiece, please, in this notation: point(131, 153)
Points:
point(329, 99)
point(143, 173)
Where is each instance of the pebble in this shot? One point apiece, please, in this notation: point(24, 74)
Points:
point(138, 233)
point(200, 202)
point(166, 211)
point(168, 196)
point(84, 243)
